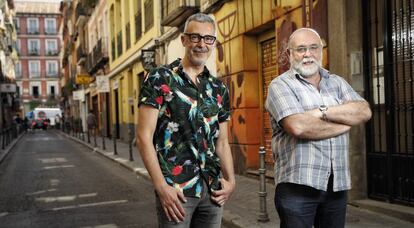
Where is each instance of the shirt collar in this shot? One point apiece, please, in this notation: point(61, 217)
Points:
point(205, 74)
point(322, 71)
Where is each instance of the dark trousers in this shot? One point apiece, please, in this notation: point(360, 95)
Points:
point(300, 206)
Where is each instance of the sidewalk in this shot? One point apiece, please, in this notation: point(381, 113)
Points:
point(4, 152)
point(243, 208)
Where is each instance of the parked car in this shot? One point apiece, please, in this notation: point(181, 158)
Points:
point(40, 124)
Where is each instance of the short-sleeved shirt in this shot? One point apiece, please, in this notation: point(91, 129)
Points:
point(188, 126)
point(303, 161)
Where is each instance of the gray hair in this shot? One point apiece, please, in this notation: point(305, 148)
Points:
point(300, 30)
point(200, 17)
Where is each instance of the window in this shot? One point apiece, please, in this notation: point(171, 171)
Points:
point(16, 24)
point(51, 68)
point(18, 45)
point(52, 90)
point(18, 70)
point(35, 91)
point(32, 25)
point(51, 47)
point(34, 47)
point(50, 25)
point(34, 69)
point(149, 14)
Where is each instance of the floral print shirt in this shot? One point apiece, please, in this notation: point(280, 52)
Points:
point(188, 126)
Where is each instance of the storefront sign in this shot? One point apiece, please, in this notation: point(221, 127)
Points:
point(148, 59)
point(8, 88)
point(102, 84)
point(83, 79)
point(79, 95)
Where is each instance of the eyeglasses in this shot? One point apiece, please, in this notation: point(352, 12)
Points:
point(303, 49)
point(196, 38)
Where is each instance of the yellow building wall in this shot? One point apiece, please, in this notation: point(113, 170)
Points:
point(128, 89)
point(241, 27)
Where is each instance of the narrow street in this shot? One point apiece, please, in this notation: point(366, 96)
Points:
point(50, 181)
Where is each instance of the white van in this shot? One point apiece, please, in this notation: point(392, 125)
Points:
point(49, 113)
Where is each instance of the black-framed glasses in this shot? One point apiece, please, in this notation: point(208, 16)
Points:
point(195, 38)
point(303, 49)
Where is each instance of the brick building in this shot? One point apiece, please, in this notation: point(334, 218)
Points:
point(38, 45)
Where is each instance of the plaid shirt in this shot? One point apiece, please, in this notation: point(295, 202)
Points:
point(302, 161)
point(188, 126)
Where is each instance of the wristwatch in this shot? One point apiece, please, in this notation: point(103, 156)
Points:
point(323, 109)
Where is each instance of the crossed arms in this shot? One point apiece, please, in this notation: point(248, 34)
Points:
point(309, 125)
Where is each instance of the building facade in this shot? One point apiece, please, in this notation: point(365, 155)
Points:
point(38, 45)
point(9, 92)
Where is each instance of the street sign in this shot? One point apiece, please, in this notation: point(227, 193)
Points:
point(8, 88)
point(79, 95)
point(83, 79)
point(148, 59)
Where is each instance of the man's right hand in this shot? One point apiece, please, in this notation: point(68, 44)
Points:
point(171, 200)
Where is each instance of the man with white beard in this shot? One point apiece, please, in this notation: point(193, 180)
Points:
point(311, 113)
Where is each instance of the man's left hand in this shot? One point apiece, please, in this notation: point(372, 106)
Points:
point(221, 196)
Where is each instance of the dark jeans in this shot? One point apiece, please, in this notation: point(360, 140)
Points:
point(300, 206)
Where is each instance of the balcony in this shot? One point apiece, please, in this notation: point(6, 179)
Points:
point(98, 57)
point(174, 13)
point(52, 74)
point(33, 31)
point(52, 53)
point(34, 74)
point(149, 14)
point(34, 52)
point(80, 15)
point(81, 55)
point(50, 31)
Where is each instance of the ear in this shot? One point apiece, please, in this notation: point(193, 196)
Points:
point(183, 40)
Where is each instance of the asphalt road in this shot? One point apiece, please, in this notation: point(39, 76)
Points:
point(50, 181)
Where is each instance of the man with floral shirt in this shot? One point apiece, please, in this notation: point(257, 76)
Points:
point(182, 133)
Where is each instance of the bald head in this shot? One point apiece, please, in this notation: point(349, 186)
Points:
point(303, 32)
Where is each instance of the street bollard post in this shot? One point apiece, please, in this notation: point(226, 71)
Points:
point(103, 139)
point(2, 139)
point(89, 135)
point(94, 137)
point(114, 138)
point(263, 216)
point(131, 157)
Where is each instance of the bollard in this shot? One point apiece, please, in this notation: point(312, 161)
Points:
point(131, 158)
point(2, 139)
point(89, 135)
point(114, 138)
point(94, 137)
point(103, 139)
point(263, 216)
point(83, 134)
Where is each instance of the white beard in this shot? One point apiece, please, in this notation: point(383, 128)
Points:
point(307, 71)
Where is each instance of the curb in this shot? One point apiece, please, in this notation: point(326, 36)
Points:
point(10, 147)
point(109, 155)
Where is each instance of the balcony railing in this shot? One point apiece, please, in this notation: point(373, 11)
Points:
point(50, 31)
point(33, 31)
point(99, 56)
point(119, 43)
point(34, 52)
point(80, 54)
point(174, 13)
point(81, 14)
point(34, 74)
point(138, 25)
point(128, 35)
point(52, 74)
point(52, 52)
